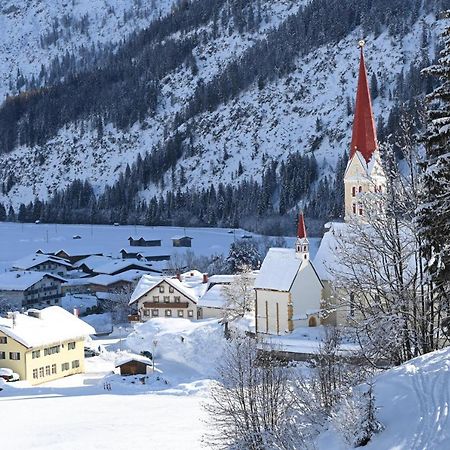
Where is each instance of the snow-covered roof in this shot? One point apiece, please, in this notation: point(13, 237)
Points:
point(278, 270)
point(214, 298)
point(119, 264)
point(128, 358)
point(35, 259)
point(326, 259)
point(107, 280)
point(221, 279)
point(93, 261)
point(176, 238)
point(54, 325)
point(20, 280)
point(146, 284)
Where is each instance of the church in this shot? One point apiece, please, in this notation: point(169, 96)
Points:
point(291, 290)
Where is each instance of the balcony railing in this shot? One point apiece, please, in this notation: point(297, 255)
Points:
point(133, 318)
point(166, 305)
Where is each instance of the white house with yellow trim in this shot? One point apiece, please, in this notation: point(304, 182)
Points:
point(288, 289)
point(43, 345)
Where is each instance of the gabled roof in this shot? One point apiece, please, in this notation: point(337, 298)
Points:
point(279, 269)
point(175, 238)
point(55, 325)
point(93, 261)
point(128, 358)
point(34, 260)
point(20, 280)
point(115, 265)
point(364, 135)
point(107, 280)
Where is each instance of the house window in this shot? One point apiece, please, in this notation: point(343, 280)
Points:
point(14, 356)
point(360, 211)
point(166, 299)
point(35, 374)
point(156, 298)
point(354, 191)
point(65, 366)
point(180, 313)
point(71, 346)
point(2, 355)
point(168, 313)
point(146, 312)
point(177, 299)
point(41, 372)
point(47, 371)
point(190, 313)
point(75, 364)
point(155, 312)
point(3, 340)
point(171, 290)
point(53, 369)
point(161, 289)
point(354, 208)
point(36, 354)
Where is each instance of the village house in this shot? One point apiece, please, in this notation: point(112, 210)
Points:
point(43, 345)
point(29, 289)
point(43, 263)
point(288, 289)
point(142, 242)
point(168, 297)
point(182, 241)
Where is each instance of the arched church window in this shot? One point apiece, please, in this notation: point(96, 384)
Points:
point(360, 189)
point(360, 211)
point(354, 191)
point(354, 208)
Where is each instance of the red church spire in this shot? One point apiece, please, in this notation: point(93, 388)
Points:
point(364, 137)
point(301, 230)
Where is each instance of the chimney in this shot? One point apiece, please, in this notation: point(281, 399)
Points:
point(76, 312)
point(205, 278)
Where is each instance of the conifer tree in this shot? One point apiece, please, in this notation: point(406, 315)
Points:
point(434, 211)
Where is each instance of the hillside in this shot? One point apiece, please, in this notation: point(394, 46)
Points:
point(232, 87)
point(413, 402)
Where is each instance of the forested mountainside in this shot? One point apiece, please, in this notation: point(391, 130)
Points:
point(202, 112)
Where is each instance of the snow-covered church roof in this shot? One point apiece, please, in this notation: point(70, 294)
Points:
point(279, 269)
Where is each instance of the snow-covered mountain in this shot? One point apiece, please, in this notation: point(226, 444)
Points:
point(306, 108)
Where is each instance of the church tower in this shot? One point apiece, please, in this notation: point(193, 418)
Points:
point(364, 171)
point(302, 243)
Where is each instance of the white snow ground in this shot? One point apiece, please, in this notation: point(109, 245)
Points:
point(78, 413)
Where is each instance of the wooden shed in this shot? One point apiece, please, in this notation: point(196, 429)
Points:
point(134, 365)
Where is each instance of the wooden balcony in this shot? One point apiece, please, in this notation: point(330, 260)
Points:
point(164, 305)
point(133, 318)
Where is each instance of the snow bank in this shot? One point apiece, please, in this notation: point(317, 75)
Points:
point(413, 402)
point(193, 347)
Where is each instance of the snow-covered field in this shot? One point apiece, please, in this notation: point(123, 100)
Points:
point(165, 413)
point(19, 240)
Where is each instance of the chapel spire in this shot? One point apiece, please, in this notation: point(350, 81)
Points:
point(302, 243)
point(364, 135)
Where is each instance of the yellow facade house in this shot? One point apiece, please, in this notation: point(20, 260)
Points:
point(43, 345)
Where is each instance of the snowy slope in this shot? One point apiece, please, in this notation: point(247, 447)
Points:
point(414, 402)
point(26, 28)
point(257, 126)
